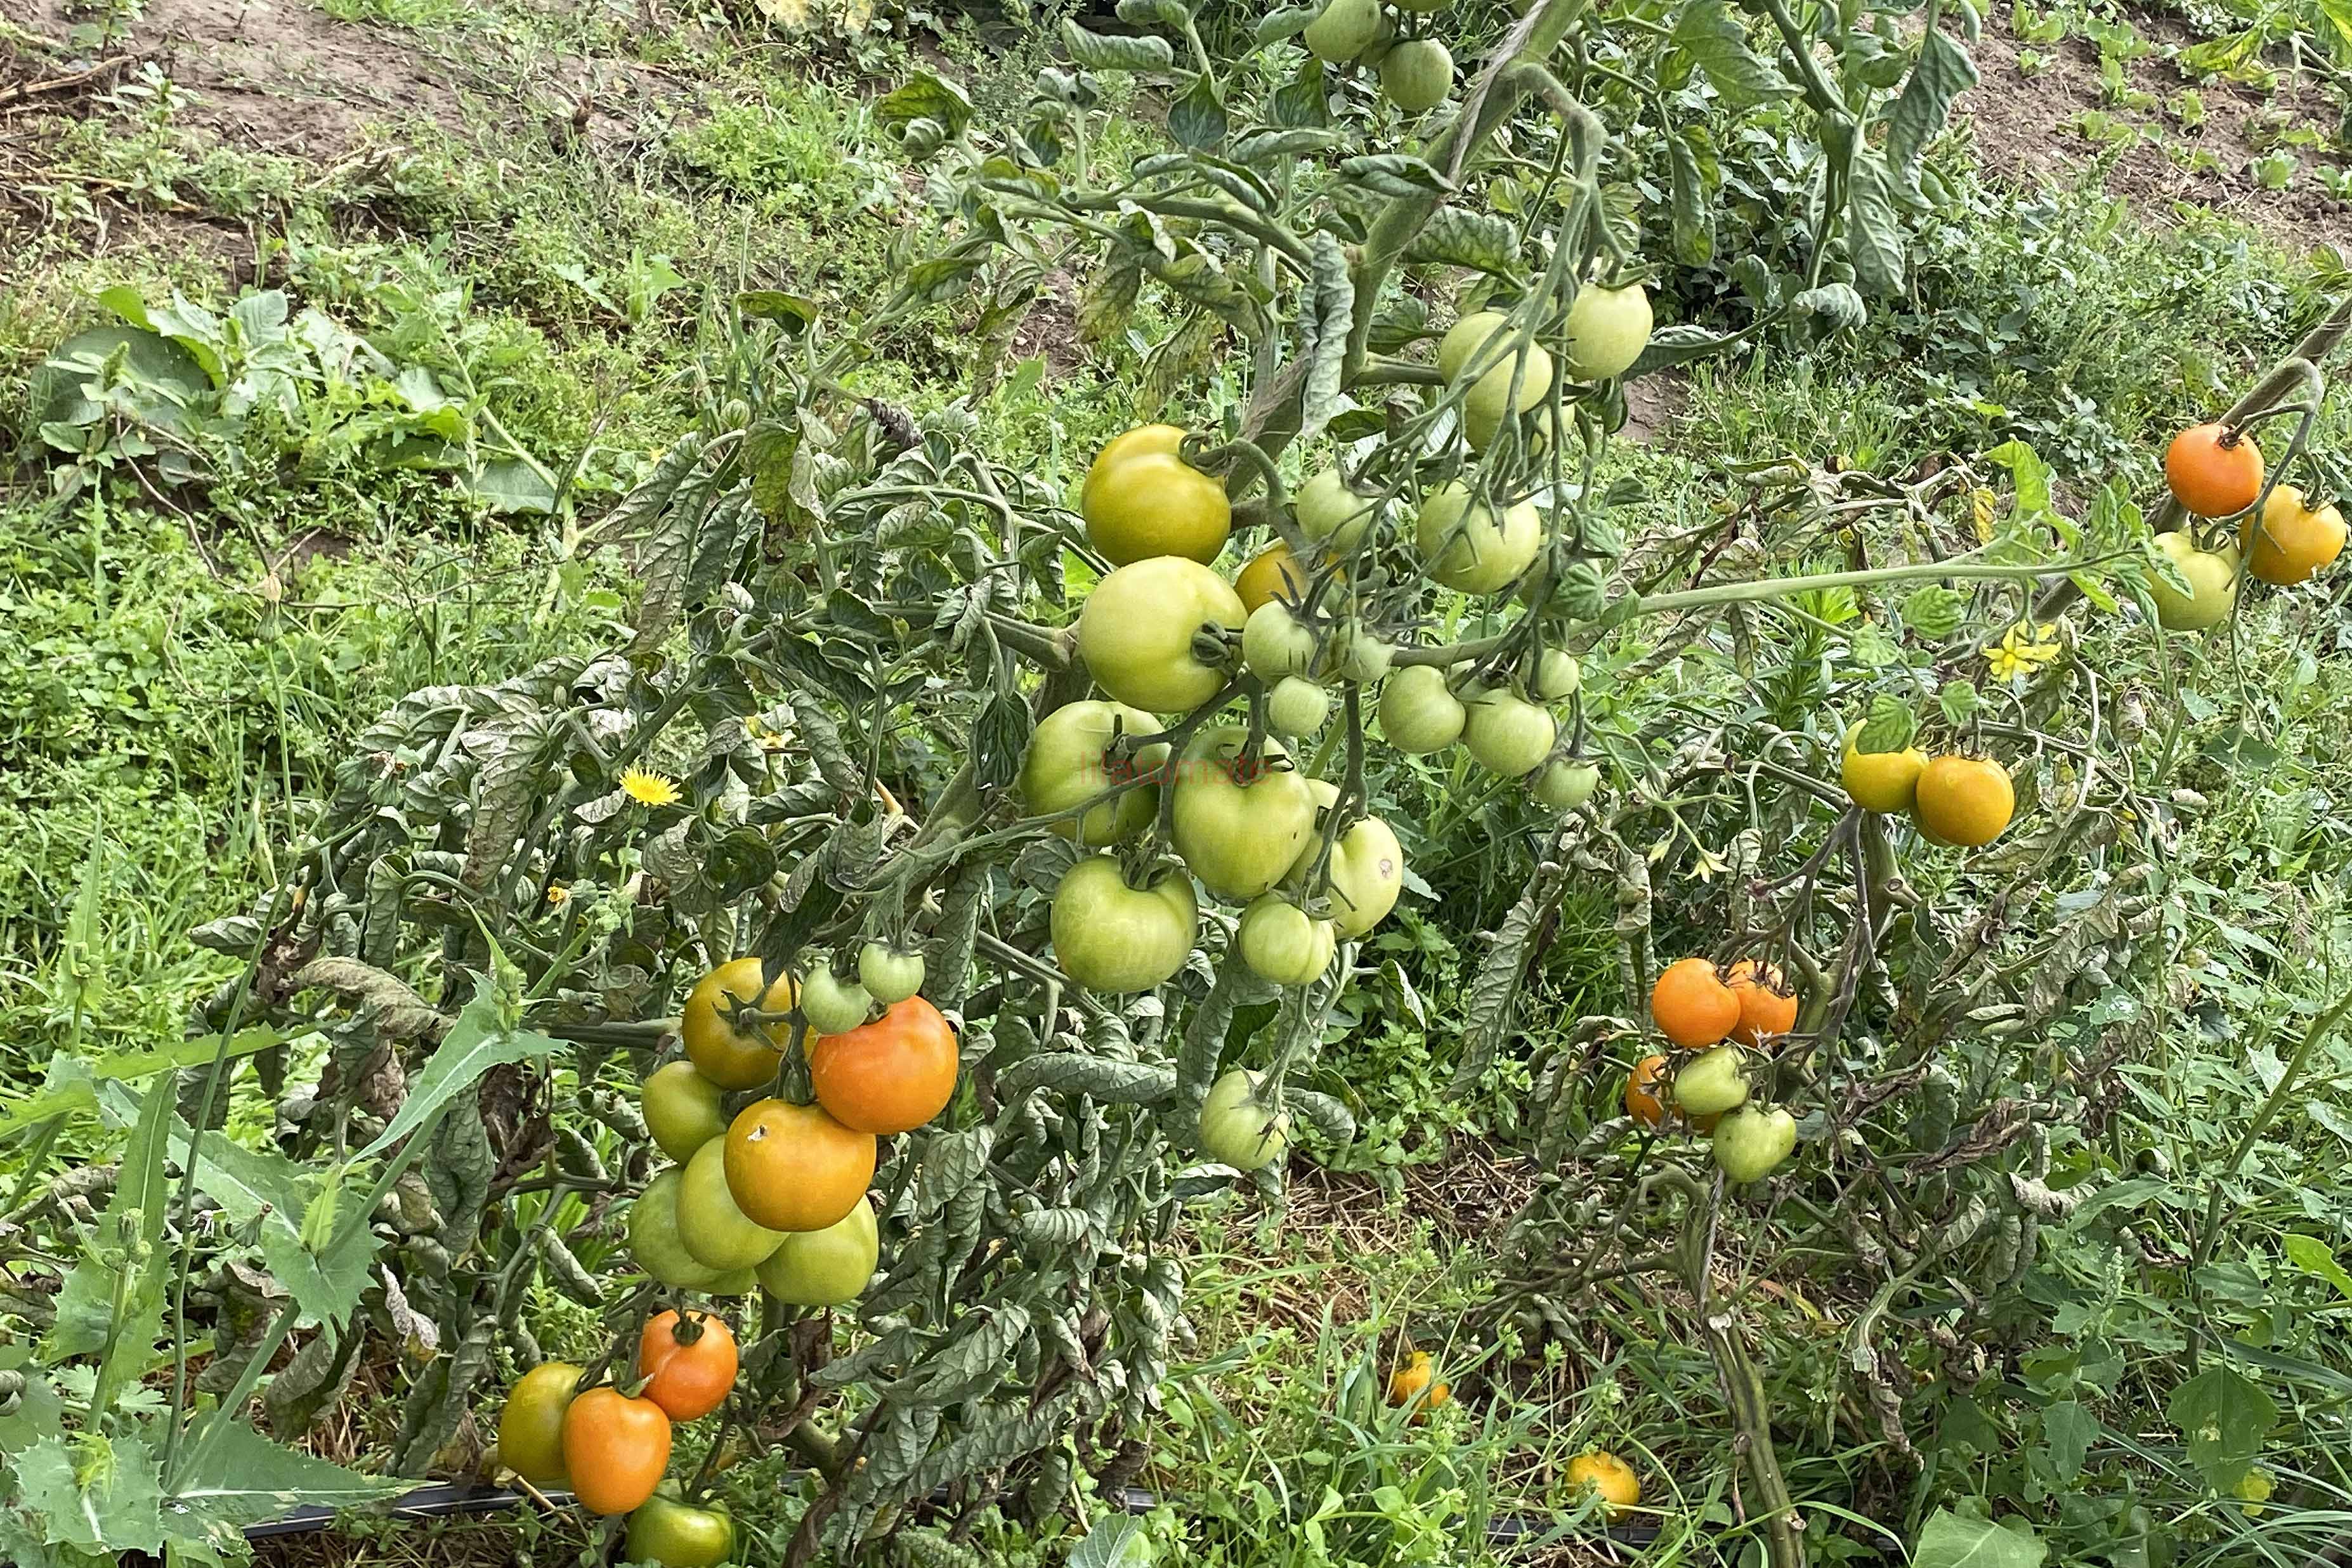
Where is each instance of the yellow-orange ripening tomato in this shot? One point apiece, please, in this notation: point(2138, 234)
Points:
point(889, 1075)
point(687, 1379)
point(2288, 541)
point(728, 1057)
point(1879, 781)
point(1418, 1379)
point(1767, 1006)
point(2214, 471)
point(794, 1167)
point(1965, 800)
point(1141, 500)
point(1271, 572)
point(1610, 1476)
point(531, 1427)
point(1691, 1004)
point(1642, 1085)
point(614, 1448)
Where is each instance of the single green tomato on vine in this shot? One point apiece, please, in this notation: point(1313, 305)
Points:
point(1360, 655)
point(1329, 511)
point(2212, 577)
point(827, 1268)
point(1418, 714)
point(1565, 784)
point(1556, 677)
point(1607, 329)
point(1752, 1141)
point(1506, 734)
point(1069, 761)
point(1297, 707)
point(1236, 1130)
point(1239, 821)
point(1344, 29)
point(1713, 1082)
point(1463, 340)
point(833, 1005)
point(1466, 546)
point(890, 975)
point(683, 1110)
point(1417, 75)
point(714, 1229)
point(666, 1530)
point(654, 1242)
point(1364, 873)
point(1282, 943)
point(1137, 633)
point(1111, 936)
point(1273, 644)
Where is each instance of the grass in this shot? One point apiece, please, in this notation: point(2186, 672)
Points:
point(182, 687)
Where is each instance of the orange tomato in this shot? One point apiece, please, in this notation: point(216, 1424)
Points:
point(1418, 1379)
point(728, 1057)
point(1272, 571)
point(687, 1381)
point(792, 1167)
point(614, 1448)
point(1766, 1006)
point(2213, 471)
point(889, 1075)
point(1691, 1004)
point(1642, 1102)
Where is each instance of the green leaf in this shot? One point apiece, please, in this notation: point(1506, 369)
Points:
point(1873, 237)
point(1888, 726)
point(1954, 1540)
point(1108, 52)
point(792, 311)
point(242, 1478)
point(2311, 1255)
point(1941, 74)
point(94, 1493)
point(1835, 303)
point(486, 1036)
point(1935, 611)
point(1678, 345)
point(1327, 316)
point(1959, 700)
point(1712, 34)
point(1393, 175)
point(1119, 1540)
point(1459, 237)
point(1291, 142)
point(2224, 1419)
point(923, 96)
point(1693, 219)
point(1197, 118)
point(510, 486)
point(2029, 473)
point(2067, 1431)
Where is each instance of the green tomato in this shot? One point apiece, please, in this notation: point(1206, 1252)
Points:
point(1069, 763)
point(1537, 431)
point(1564, 785)
point(1418, 714)
point(1136, 633)
point(1466, 547)
point(1282, 944)
point(683, 1110)
point(1607, 329)
point(1274, 645)
point(654, 1240)
point(890, 975)
point(1507, 734)
point(717, 1233)
point(1236, 1130)
point(1713, 1082)
point(1328, 510)
point(1366, 870)
point(1558, 675)
point(1463, 339)
point(530, 1425)
point(1297, 707)
point(1490, 400)
point(1416, 75)
point(831, 1004)
point(666, 1530)
point(1751, 1142)
point(1108, 936)
point(1361, 656)
point(1344, 29)
point(1239, 824)
point(825, 1267)
point(2213, 584)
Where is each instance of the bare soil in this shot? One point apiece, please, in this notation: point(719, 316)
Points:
point(2028, 126)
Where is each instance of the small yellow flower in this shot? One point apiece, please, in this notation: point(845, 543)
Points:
point(2024, 649)
point(647, 789)
point(558, 895)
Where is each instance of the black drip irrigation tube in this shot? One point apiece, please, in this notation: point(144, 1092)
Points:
point(464, 1500)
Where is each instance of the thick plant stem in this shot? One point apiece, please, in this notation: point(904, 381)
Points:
point(1784, 1541)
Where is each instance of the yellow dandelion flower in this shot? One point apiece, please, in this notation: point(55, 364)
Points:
point(558, 895)
point(647, 788)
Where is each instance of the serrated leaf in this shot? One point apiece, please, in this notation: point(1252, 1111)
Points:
point(483, 1037)
point(1459, 237)
point(242, 1478)
point(1935, 611)
point(1197, 117)
point(1888, 726)
point(1959, 700)
point(2224, 1419)
point(1712, 34)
